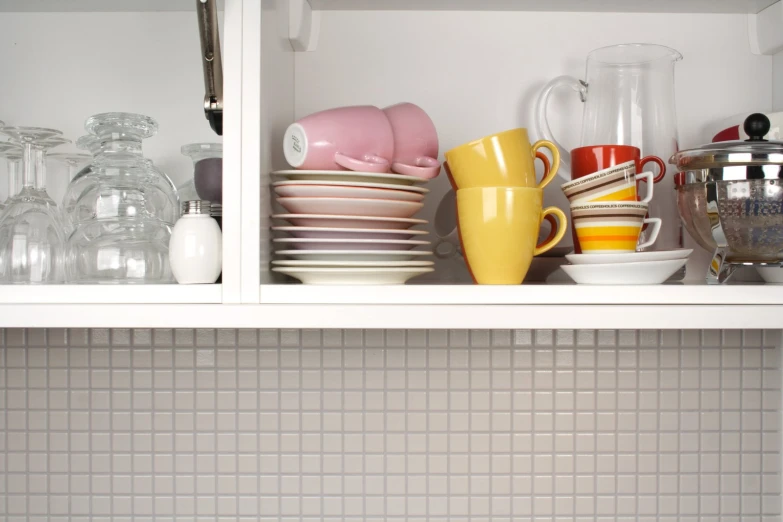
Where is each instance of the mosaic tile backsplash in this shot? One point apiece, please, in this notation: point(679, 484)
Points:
point(165, 425)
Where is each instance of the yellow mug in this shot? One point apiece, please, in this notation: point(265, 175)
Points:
point(501, 160)
point(498, 228)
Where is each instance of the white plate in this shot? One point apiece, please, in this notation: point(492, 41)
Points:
point(351, 207)
point(349, 233)
point(353, 276)
point(355, 244)
point(645, 273)
point(323, 182)
point(322, 220)
point(631, 257)
point(328, 191)
point(771, 274)
point(348, 175)
point(354, 255)
point(337, 263)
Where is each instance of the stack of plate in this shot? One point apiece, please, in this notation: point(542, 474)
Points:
point(639, 268)
point(350, 227)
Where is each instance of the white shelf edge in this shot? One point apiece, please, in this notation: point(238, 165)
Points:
point(622, 6)
point(566, 294)
point(392, 316)
point(99, 6)
point(59, 295)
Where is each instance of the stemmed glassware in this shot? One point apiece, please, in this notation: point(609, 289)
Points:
point(31, 229)
point(75, 163)
point(12, 152)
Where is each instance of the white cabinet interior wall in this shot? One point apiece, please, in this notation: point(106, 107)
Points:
point(331, 425)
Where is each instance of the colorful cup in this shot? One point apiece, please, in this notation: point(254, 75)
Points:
point(613, 184)
point(498, 228)
point(612, 227)
point(415, 141)
point(590, 159)
point(356, 138)
point(501, 160)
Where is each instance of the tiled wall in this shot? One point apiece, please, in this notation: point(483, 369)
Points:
point(348, 425)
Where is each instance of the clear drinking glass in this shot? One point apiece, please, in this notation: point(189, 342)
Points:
point(80, 180)
point(73, 162)
point(31, 231)
point(123, 210)
point(207, 170)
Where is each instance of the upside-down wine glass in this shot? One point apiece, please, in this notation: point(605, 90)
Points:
point(12, 152)
point(31, 231)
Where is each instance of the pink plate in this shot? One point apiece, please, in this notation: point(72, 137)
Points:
point(341, 244)
point(351, 207)
point(321, 220)
point(328, 191)
point(349, 233)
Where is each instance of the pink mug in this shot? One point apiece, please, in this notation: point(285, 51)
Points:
point(415, 141)
point(346, 138)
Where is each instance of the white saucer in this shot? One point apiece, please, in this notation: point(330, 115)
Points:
point(328, 183)
point(350, 233)
point(354, 255)
point(330, 191)
point(353, 276)
point(324, 220)
point(337, 263)
point(348, 175)
point(644, 273)
point(386, 208)
point(353, 244)
point(630, 257)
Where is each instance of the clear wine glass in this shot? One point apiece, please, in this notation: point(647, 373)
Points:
point(40, 149)
point(12, 152)
point(74, 162)
point(31, 231)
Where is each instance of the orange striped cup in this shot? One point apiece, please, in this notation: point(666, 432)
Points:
point(612, 227)
point(616, 183)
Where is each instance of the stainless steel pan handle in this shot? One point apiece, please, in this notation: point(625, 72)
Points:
point(212, 62)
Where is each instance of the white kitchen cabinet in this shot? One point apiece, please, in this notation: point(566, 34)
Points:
point(475, 65)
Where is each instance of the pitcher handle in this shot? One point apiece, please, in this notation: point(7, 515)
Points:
point(542, 124)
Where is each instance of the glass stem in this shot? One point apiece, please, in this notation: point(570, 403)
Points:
point(40, 169)
point(13, 177)
point(28, 174)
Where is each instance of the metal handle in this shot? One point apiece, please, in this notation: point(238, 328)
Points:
point(212, 62)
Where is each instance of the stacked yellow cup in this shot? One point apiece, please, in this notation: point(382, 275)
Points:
point(500, 204)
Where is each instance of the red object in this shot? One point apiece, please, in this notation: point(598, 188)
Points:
point(730, 134)
point(589, 160)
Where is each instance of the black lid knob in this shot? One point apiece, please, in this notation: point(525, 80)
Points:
point(756, 126)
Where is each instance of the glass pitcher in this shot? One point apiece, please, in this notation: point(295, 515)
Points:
point(628, 96)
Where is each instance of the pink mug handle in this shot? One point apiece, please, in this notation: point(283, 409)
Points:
point(368, 163)
point(425, 167)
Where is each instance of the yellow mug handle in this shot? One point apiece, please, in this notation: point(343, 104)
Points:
point(561, 230)
point(548, 176)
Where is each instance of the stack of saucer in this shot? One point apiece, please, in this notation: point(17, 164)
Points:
point(635, 268)
point(345, 227)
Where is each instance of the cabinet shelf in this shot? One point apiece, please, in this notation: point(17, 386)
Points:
point(620, 6)
point(697, 294)
point(111, 294)
point(104, 6)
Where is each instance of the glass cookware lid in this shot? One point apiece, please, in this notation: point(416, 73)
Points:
point(753, 151)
